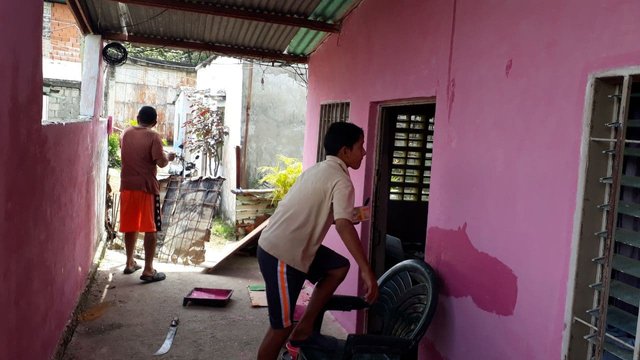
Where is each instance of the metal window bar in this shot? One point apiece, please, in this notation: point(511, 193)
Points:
point(187, 215)
point(329, 114)
point(607, 287)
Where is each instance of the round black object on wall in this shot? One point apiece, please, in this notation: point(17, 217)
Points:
point(114, 54)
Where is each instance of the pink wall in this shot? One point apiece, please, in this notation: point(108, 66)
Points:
point(47, 197)
point(509, 78)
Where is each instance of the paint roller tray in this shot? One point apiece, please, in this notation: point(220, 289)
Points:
point(207, 297)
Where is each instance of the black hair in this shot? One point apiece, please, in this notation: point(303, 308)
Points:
point(341, 134)
point(147, 115)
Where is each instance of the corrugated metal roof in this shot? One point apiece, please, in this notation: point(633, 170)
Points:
point(285, 30)
point(305, 40)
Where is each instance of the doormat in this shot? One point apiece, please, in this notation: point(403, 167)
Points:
point(258, 297)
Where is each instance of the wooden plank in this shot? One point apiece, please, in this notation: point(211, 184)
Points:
point(252, 206)
point(229, 250)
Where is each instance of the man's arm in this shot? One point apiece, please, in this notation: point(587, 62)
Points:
point(164, 160)
point(159, 156)
point(351, 240)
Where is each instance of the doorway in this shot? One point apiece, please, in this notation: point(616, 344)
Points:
point(402, 184)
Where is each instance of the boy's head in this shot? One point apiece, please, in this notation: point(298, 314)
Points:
point(147, 116)
point(346, 141)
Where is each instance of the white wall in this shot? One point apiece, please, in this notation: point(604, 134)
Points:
point(226, 74)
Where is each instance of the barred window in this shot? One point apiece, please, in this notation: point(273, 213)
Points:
point(329, 114)
point(607, 279)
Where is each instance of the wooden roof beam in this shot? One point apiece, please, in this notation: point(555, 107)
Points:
point(254, 15)
point(81, 14)
point(220, 49)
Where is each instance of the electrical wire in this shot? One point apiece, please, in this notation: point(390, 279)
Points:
point(127, 27)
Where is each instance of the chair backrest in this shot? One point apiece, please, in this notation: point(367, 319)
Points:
point(407, 302)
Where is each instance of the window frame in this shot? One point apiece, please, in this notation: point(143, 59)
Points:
point(592, 258)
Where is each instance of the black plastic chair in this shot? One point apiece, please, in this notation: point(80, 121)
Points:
point(397, 321)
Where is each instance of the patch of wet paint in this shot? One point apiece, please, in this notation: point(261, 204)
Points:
point(466, 271)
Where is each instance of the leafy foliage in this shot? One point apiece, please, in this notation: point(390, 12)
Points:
point(281, 176)
point(114, 151)
point(205, 131)
point(222, 229)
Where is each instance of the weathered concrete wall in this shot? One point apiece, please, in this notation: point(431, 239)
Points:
point(225, 74)
point(49, 191)
point(62, 100)
point(276, 117)
point(136, 84)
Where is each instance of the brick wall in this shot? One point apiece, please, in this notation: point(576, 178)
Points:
point(62, 39)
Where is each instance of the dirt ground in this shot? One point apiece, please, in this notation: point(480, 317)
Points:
point(127, 319)
point(124, 318)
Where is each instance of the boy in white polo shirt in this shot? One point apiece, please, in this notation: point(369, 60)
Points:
point(290, 249)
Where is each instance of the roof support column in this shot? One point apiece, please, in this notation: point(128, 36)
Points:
point(91, 64)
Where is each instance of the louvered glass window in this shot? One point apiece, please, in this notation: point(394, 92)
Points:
point(329, 114)
point(412, 154)
point(607, 285)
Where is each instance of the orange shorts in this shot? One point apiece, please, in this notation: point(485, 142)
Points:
point(139, 211)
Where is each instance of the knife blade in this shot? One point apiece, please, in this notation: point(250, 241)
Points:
point(173, 328)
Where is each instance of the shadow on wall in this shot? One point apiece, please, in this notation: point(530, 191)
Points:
point(466, 271)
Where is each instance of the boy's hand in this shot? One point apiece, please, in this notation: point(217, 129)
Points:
point(171, 156)
point(370, 285)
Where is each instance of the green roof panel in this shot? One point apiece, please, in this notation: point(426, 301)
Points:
point(305, 40)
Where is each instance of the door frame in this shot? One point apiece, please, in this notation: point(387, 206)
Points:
point(373, 134)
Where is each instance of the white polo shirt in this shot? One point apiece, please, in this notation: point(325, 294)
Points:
point(322, 193)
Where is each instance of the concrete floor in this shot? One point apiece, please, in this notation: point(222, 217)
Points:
point(126, 319)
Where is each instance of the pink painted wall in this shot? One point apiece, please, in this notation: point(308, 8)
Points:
point(509, 79)
point(47, 197)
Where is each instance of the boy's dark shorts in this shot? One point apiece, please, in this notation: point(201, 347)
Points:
point(283, 283)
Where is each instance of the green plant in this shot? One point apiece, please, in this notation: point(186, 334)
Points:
point(281, 176)
point(133, 122)
point(114, 151)
point(222, 229)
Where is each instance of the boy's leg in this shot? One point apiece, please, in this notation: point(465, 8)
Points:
point(130, 245)
point(322, 292)
point(273, 341)
point(283, 284)
point(327, 271)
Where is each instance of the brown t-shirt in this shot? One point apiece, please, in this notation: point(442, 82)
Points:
point(141, 150)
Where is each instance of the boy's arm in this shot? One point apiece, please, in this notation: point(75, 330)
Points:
point(351, 240)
